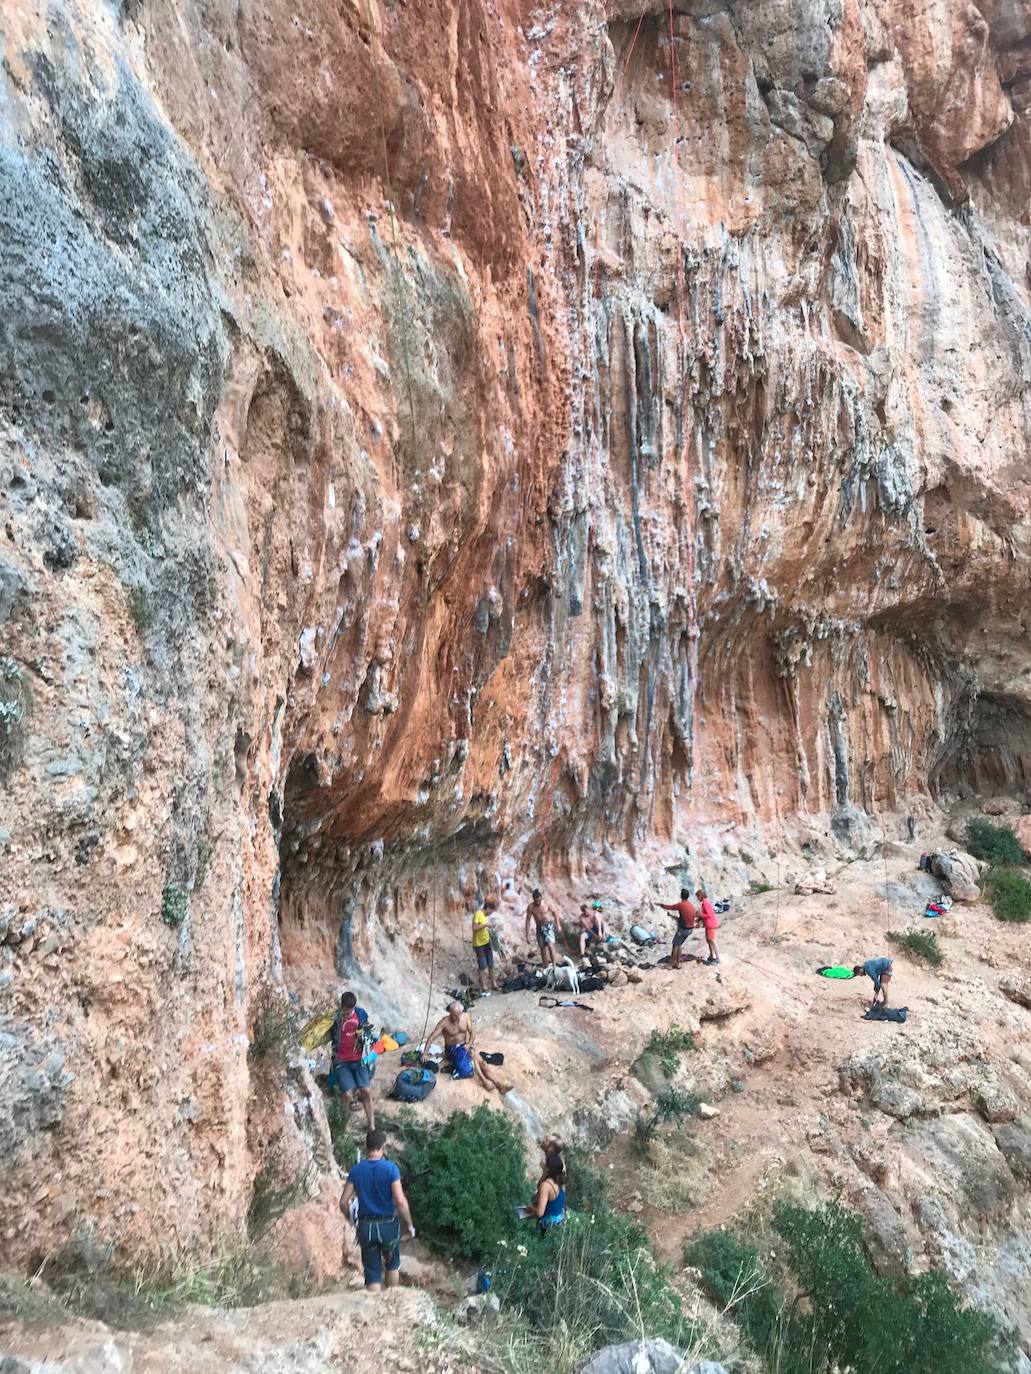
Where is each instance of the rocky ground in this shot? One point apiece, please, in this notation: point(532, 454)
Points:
point(923, 1128)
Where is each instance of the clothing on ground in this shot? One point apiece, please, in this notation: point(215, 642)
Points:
point(372, 1180)
point(835, 971)
point(877, 969)
point(881, 1013)
point(481, 930)
point(546, 933)
point(380, 1243)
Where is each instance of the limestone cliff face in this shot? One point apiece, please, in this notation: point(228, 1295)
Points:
point(442, 433)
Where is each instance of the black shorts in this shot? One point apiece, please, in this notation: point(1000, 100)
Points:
point(484, 958)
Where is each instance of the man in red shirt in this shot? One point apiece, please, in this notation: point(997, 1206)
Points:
point(350, 1075)
point(686, 918)
point(711, 922)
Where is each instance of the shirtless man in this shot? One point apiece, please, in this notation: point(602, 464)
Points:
point(592, 929)
point(456, 1028)
point(547, 920)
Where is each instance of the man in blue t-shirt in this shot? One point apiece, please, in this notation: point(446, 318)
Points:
point(376, 1183)
point(880, 971)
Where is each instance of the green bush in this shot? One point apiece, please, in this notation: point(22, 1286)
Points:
point(465, 1178)
point(1010, 893)
point(736, 1278)
point(995, 843)
point(274, 1028)
point(585, 1186)
point(175, 905)
point(852, 1317)
point(922, 944)
point(668, 1045)
point(345, 1141)
point(865, 1321)
point(591, 1282)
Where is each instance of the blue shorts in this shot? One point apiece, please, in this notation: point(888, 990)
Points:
point(380, 1240)
point(349, 1077)
point(484, 958)
point(682, 933)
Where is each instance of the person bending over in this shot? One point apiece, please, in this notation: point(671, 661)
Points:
point(880, 971)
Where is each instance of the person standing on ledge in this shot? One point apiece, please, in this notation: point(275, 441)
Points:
point(686, 918)
point(350, 1075)
point(711, 923)
point(484, 951)
point(382, 1206)
point(546, 919)
point(880, 971)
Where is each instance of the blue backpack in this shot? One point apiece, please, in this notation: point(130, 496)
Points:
point(461, 1062)
point(413, 1085)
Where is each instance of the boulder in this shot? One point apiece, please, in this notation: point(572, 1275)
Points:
point(1014, 1142)
point(480, 1307)
point(960, 872)
point(652, 1356)
point(1022, 830)
point(1017, 989)
point(995, 1102)
point(884, 1234)
point(725, 999)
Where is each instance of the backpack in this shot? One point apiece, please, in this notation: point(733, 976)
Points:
point(413, 1085)
point(461, 1062)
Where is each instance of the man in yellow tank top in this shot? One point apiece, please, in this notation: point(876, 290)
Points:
point(484, 952)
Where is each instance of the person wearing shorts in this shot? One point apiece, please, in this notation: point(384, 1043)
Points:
point(880, 971)
point(686, 918)
point(350, 1076)
point(484, 951)
point(546, 921)
point(382, 1206)
point(711, 923)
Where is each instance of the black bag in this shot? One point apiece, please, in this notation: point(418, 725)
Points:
point(413, 1085)
point(592, 983)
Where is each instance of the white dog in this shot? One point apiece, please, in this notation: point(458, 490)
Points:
point(563, 977)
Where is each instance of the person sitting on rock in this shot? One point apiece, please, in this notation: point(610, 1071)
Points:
point(686, 919)
point(382, 1206)
point(549, 1205)
point(711, 922)
point(547, 920)
point(880, 971)
point(592, 929)
point(455, 1029)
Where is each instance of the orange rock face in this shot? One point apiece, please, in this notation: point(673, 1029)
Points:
point(450, 438)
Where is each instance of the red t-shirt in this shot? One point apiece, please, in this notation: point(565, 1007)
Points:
point(709, 918)
point(347, 1048)
point(686, 914)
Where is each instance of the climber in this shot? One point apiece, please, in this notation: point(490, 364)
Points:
point(592, 928)
point(710, 921)
point(484, 951)
point(382, 1206)
point(547, 920)
point(456, 1031)
point(686, 918)
point(350, 1075)
point(880, 971)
